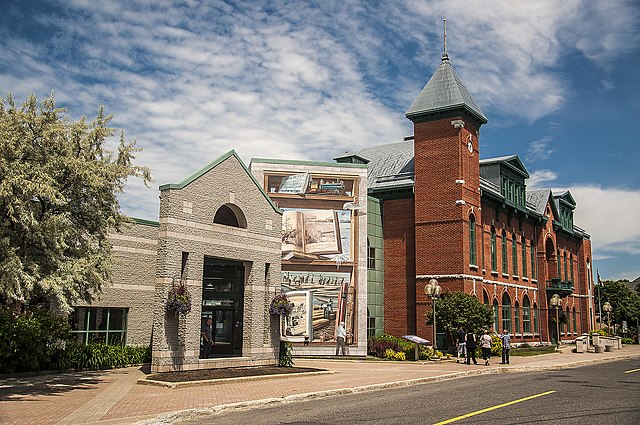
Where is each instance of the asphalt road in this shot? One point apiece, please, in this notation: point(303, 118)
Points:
point(599, 394)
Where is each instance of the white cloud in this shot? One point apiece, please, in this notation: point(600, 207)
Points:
point(610, 216)
point(539, 150)
point(540, 179)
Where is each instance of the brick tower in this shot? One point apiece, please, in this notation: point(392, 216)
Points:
point(446, 123)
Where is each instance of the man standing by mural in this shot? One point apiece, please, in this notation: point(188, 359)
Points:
point(341, 336)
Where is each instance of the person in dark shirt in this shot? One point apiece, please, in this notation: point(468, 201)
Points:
point(462, 344)
point(471, 346)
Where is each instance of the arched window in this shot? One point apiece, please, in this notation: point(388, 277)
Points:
point(568, 323)
point(533, 260)
point(496, 317)
point(536, 327)
point(526, 315)
point(571, 268)
point(514, 254)
point(472, 240)
point(506, 313)
point(516, 317)
point(230, 215)
point(485, 298)
point(558, 258)
point(494, 253)
point(575, 321)
point(505, 265)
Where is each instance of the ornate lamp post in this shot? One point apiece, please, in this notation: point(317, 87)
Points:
point(556, 303)
point(608, 308)
point(433, 290)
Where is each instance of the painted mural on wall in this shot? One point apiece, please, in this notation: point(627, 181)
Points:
point(321, 301)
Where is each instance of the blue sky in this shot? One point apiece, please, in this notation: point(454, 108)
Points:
point(190, 80)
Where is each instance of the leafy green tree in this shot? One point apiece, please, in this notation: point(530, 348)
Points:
point(625, 303)
point(455, 309)
point(58, 198)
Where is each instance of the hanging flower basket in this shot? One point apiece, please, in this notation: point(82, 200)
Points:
point(178, 300)
point(280, 306)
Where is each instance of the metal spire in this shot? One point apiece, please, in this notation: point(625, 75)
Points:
point(445, 56)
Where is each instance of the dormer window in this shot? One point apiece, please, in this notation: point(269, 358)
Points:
point(566, 218)
point(513, 191)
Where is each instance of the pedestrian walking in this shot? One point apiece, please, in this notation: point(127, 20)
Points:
point(341, 336)
point(506, 346)
point(485, 346)
point(462, 344)
point(471, 345)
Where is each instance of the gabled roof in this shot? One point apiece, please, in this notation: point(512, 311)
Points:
point(195, 175)
point(511, 161)
point(566, 197)
point(444, 92)
point(538, 199)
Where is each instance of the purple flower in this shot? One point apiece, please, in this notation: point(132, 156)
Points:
point(178, 300)
point(280, 306)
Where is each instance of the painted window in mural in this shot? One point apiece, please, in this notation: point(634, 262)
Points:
point(321, 301)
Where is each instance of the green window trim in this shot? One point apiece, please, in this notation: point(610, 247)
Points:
point(516, 316)
point(107, 325)
point(524, 257)
point(526, 315)
point(505, 266)
point(514, 253)
point(494, 254)
point(472, 240)
point(533, 260)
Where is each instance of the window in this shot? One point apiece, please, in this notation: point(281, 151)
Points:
point(371, 256)
point(524, 257)
point(472, 240)
point(505, 268)
point(230, 215)
point(571, 267)
point(533, 260)
point(575, 321)
point(535, 319)
point(514, 253)
point(564, 264)
point(526, 314)
point(516, 317)
point(506, 313)
point(494, 254)
point(558, 258)
point(99, 325)
point(496, 317)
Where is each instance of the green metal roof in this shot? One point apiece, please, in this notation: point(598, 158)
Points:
point(444, 92)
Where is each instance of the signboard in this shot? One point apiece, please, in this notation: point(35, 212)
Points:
point(416, 339)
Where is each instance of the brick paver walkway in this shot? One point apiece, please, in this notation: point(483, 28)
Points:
point(114, 397)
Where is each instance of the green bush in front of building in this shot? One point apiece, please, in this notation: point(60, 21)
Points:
point(38, 340)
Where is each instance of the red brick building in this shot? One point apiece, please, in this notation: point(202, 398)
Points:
point(472, 225)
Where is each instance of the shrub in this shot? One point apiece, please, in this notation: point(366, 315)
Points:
point(496, 346)
point(285, 358)
point(378, 346)
point(394, 355)
point(627, 340)
point(30, 340)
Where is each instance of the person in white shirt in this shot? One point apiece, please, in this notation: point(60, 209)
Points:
point(341, 336)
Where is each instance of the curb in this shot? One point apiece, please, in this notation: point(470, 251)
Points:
point(172, 417)
point(144, 381)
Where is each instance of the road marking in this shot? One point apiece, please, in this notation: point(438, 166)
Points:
point(633, 370)
point(488, 409)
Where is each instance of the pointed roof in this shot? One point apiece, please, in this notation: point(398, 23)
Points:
point(444, 93)
point(512, 161)
point(197, 174)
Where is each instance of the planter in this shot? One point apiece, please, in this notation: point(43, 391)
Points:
point(599, 348)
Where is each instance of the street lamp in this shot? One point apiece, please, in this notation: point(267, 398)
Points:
point(433, 290)
point(608, 308)
point(556, 303)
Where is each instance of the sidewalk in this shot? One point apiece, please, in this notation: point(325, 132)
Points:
point(114, 397)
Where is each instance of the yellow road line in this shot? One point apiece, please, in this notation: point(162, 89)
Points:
point(488, 409)
point(633, 370)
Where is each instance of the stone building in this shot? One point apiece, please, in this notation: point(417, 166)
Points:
point(472, 225)
point(219, 235)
